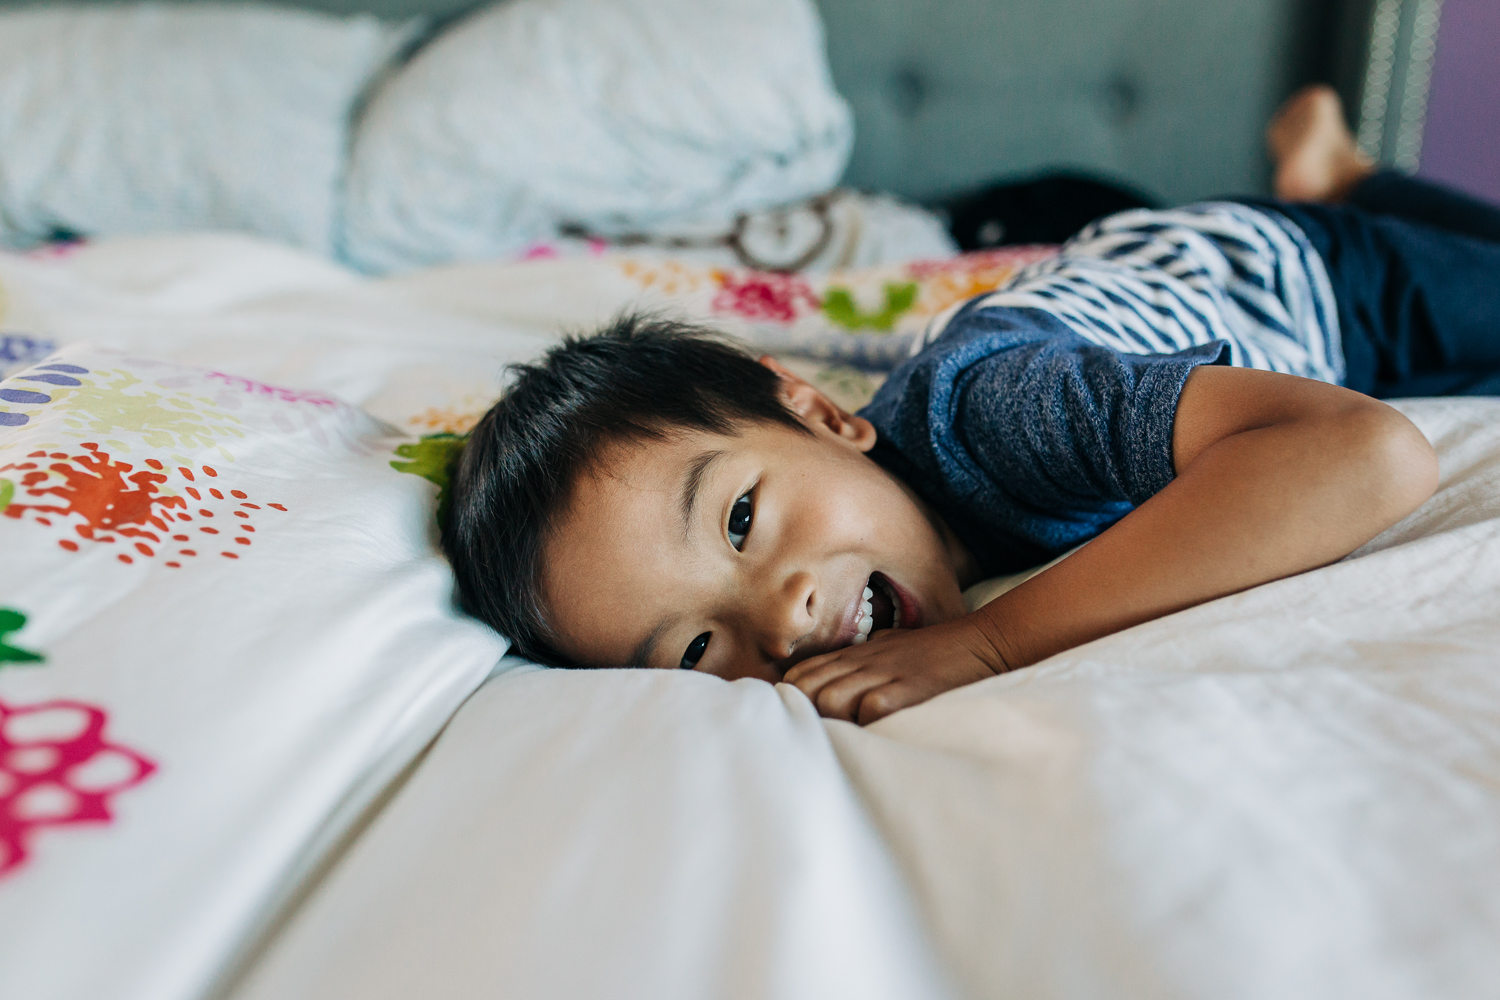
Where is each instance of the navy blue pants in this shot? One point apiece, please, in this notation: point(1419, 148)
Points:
point(1416, 271)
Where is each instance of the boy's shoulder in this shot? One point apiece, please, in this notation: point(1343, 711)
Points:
point(956, 342)
point(1027, 438)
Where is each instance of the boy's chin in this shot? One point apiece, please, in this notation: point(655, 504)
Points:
point(939, 616)
point(945, 606)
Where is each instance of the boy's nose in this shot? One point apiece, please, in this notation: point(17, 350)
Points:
point(789, 614)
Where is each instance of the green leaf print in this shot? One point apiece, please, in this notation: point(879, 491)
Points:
point(14, 621)
point(839, 306)
point(432, 458)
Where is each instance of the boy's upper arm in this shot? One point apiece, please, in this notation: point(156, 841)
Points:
point(1064, 424)
point(1218, 403)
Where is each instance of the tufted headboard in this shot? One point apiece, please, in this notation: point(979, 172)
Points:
point(1168, 95)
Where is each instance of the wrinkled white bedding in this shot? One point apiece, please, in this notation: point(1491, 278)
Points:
point(623, 834)
point(1294, 792)
point(1290, 793)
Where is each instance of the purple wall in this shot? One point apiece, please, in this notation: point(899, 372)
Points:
point(1461, 144)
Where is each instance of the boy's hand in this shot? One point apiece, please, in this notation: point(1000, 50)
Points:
point(896, 669)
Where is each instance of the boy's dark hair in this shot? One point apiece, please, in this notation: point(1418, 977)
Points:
point(637, 379)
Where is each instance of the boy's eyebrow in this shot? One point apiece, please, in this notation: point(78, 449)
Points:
point(692, 482)
point(640, 659)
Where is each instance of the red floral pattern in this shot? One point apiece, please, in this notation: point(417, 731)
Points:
point(106, 500)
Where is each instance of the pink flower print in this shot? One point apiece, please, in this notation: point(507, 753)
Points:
point(57, 770)
point(763, 295)
point(262, 389)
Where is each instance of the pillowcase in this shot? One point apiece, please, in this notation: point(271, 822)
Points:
point(612, 116)
point(167, 117)
point(224, 628)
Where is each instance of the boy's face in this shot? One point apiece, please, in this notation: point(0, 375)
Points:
point(743, 554)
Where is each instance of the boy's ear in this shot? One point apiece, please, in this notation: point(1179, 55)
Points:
point(817, 410)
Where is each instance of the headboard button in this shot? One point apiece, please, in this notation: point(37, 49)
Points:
point(1120, 98)
point(908, 91)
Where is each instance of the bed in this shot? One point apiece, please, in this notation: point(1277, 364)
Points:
point(249, 750)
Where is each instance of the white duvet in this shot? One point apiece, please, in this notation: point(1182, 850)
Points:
point(1293, 792)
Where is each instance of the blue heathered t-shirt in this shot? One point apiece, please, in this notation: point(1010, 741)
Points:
point(1026, 438)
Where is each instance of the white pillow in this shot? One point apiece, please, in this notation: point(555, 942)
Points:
point(615, 115)
point(165, 117)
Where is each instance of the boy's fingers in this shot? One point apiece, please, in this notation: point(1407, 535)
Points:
point(842, 697)
point(888, 699)
point(810, 682)
point(838, 655)
point(796, 671)
point(813, 664)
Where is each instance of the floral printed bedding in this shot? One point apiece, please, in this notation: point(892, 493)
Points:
point(867, 318)
point(223, 626)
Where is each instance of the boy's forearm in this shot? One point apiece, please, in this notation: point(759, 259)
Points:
point(1253, 506)
point(1275, 475)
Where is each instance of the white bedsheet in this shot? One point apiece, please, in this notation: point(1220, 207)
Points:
point(1292, 793)
point(636, 835)
point(1289, 793)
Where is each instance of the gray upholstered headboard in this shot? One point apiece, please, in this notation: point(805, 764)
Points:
point(1169, 95)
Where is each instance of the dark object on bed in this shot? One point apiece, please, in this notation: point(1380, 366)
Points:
point(1045, 209)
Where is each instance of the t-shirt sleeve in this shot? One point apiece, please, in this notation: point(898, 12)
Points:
point(1026, 437)
point(1064, 423)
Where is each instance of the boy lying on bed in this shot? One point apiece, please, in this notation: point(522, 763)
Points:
point(1185, 391)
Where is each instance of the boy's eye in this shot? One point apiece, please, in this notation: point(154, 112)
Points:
point(740, 516)
point(695, 651)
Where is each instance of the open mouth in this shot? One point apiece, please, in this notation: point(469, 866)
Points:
point(880, 609)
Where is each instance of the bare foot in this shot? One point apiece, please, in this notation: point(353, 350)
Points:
point(1314, 151)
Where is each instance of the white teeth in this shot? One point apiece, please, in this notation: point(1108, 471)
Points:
point(866, 617)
